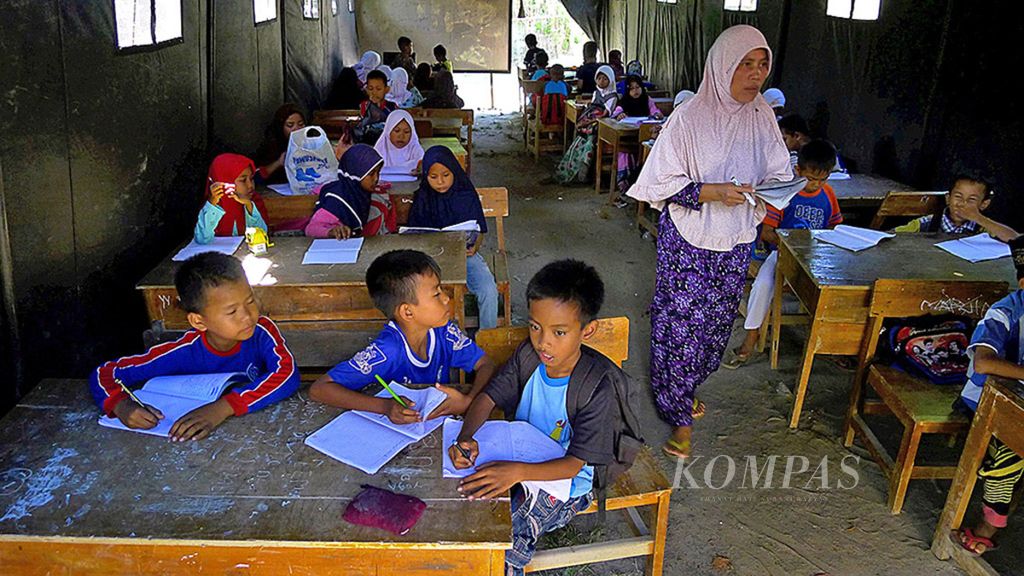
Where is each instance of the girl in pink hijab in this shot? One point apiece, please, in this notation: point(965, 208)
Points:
point(723, 135)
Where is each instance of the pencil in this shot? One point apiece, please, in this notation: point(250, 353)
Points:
point(134, 397)
point(463, 451)
point(390, 391)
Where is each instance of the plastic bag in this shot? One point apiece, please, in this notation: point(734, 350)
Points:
point(310, 160)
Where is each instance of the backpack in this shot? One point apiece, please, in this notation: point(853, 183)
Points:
point(933, 348)
point(552, 109)
point(593, 368)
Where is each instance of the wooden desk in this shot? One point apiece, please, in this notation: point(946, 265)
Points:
point(85, 500)
point(450, 143)
point(572, 111)
point(289, 208)
point(1000, 414)
point(317, 296)
point(863, 192)
point(834, 285)
point(664, 105)
point(616, 135)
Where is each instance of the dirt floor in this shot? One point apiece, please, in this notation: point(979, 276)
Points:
point(832, 517)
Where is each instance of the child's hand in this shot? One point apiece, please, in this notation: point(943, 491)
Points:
point(399, 414)
point(134, 416)
point(217, 191)
point(471, 251)
point(457, 403)
point(620, 116)
point(967, 212)
point(492, 480)
point(458, 460)
point(341, 232)
point(198, 423)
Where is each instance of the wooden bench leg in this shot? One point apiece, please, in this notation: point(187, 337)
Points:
point(762, 335)
point(901, 472)
point(856, 393)
point(659, 529)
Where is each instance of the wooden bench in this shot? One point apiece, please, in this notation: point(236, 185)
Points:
point(644, 485)
point(899, 203)
point(921, 406)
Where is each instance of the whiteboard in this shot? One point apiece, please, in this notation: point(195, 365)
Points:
point(477, 33)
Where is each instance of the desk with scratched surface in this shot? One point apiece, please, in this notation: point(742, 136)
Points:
point(77, 498)
point(835, 284)
point(296, 295)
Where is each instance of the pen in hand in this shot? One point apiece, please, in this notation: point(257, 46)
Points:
point(750, 197)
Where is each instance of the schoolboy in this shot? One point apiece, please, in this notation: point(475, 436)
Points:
point(531, 53)
point(965, 202)
point(443, 63)
point(405, 59)
point(228, 335)
point(564, 298)
point(556, 84)
point(373, 112)
point(815, 207)
point(795, 134)
point(585, 74)
point(996, 348)
point(419, 345)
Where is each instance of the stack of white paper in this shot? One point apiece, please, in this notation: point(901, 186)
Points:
point(778, 194)
point(634, 120)
point(467, 226)
point(976, 248)
point(388, 176)
point(852, 237)
point(368, 441)
point(175, 396)
point(223, 244)
point(499, 440)
point(331, 251)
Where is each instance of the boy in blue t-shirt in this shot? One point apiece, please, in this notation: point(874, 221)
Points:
point(997, 348)
point(419, 345)
point(228, 335)
point(815, 207)
point(564, 299)
point(556, 85)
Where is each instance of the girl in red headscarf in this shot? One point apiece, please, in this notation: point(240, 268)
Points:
point(232, 203)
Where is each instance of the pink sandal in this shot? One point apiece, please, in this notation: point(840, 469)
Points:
point(969, 541)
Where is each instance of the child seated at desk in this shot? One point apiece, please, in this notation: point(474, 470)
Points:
point(997, 348)
point(446, 197)
point(228, 335)
point(962, 213)
point(538, 385)
point(816, 208)
point(353, 205)
point(401, 91)
point(541, 61)
point(232, 203)
point(529, 60)
point(634, 103)
point(576, 163)
point(270, 156)
point(556, 83)
point(444, 94)
point(615, 62)
point(399, 145)
point(442, 64)
point(374, 111)
point(795, 134)
point(419, 345)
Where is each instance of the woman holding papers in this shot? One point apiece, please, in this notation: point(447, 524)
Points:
point(726, 133)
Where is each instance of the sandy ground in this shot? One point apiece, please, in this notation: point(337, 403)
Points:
point(835, 525)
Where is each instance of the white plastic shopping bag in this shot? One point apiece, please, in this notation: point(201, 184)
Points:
point(310, 160)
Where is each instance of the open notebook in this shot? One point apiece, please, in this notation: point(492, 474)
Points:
point(331, 251)
point(499, 440)
point(223, 244)
point(778, 194)
point(176, 396)
point(368, 441)
point(976, 248)
point(852, 237)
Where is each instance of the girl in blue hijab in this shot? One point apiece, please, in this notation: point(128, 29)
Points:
point(343, 208)
point(446, 197)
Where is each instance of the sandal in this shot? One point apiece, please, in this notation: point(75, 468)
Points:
point(676, 450)
point(734, 359)
point(699, 409)
point(969, 541)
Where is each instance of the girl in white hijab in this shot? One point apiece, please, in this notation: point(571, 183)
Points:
point(399, 145)
point(575, 165)
point(368, 62)
point(400, 92)
point(681, 98)
point(724, 134)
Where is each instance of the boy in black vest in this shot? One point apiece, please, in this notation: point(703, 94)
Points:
point(561, 387)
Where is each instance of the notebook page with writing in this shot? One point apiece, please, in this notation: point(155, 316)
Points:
point(426, 400)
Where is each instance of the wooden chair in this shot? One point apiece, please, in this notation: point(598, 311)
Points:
point(538, 134)
point(908, 205)
point(530, 89)
point(921, 407)
point(466, 117)
point(424, 127)
point(495, 205)
point(644, 485)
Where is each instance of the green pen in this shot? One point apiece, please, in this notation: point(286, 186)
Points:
point(390, 391)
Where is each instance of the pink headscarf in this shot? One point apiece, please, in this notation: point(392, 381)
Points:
point(712, 138)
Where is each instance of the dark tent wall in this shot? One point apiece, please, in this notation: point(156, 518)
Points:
point(103, 154)
point(316, 50)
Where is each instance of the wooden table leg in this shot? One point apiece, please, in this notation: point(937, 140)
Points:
point(966, 475)
point(497, 563)
point(899, 476)
point(805, 368)
point(598, 154)
point(613, 176)
point(776, 316)
point(659, 530)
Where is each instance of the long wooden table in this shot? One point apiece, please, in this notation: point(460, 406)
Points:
point(282, 208)
point(250, 499)
point(1000, 414)
point(834, 285)
point(860, 196)
point(316, 296)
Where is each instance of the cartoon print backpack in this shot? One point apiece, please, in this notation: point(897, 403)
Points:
point(935, 349)
point(310, 160)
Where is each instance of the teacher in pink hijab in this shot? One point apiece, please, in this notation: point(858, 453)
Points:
point(700, 175)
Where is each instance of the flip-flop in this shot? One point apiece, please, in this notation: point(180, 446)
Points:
point(732, 360)
point(698, 414)
point(677, 450)
point(972, 541)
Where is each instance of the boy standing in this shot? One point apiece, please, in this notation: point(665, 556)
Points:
point(815, 207)
point(533, 386)
point(228, 335)
point(531, 53)
point(962, 214)
point(996, 348)
point(419, 345)
point(405, 58)
point(585, 74)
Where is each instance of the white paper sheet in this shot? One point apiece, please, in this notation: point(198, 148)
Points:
point(977, 248)
point(223, 244)
point(853, 238)
point(331, 251)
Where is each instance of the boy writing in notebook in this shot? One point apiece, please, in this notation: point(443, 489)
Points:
point(533, 386)
point(962, 214)
point(419, 345)
point(228, 335)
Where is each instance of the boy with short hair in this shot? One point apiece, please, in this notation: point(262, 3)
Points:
point(556, 84)
point(373, 112)
point(540, 66)
point(962, 214)
point(997, 348)
point(585, 74)
point(419, 345)
point(815, 207)
point(443, 63)
point(531, 53)
point(405, 59)
point(228, 335)
point(795, 134)
point(534, 386)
